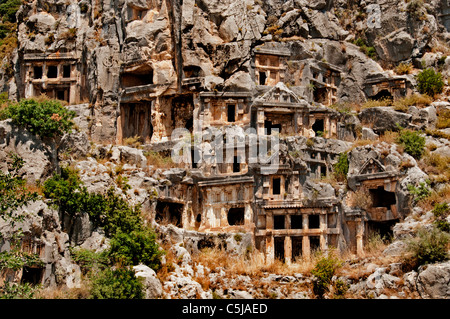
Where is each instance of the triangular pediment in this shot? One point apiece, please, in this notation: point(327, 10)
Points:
point(280, 93)
point(372, 166)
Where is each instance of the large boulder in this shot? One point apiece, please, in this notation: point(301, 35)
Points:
point(384, 118)
point(434, 281)
point(395, 47)
point(40, 158)
point(152, 285)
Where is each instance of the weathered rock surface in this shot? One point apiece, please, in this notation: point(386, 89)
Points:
point(434, 281)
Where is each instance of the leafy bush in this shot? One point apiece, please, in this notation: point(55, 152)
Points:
point(46, 118)
point(324, 271)
point(16, 291)
point(116, 284)
point(89, 260)
point(366, 49)
point(341, 167)
point(132, 243)
point(430, 82)
point(137, 247)
point(8, 9)
point(440, 212)
point(109, 211)
point(420, 192)
point(429, 247)
point(413, 143)
point(13, 192)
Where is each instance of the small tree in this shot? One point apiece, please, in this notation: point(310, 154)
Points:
point(46, 118)
point(430, 82)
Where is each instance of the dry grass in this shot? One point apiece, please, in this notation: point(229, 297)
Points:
point(404, 68)
point(159, 160)
point(253, 264)
point(133, 141)
point(375, 103)
point(440, 196)
point(436, 166)
point(418, 100)
point(66, 293)
point(443, 120)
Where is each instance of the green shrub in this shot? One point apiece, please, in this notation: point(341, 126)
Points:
point(430, 246)
point(8, 9)
point(430, 82)
point(366, 49)
point(132, 243)
point(413, 143)
point(109, 211)
point(136, 247)
point(324, 271)
point(341, 167)
point(66, 191)
point(46, 118)
point(420, 192)
point(440, 212)
point(89, 260)
point(116, 284)
point(18, 291)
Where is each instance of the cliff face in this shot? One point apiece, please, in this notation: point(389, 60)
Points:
point(176, 48)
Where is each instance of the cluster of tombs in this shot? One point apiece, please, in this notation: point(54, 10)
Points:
point(236, 195)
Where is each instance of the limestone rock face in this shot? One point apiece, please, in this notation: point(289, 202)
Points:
point(433, 281)
point(153, 287)
point(384, 118)
point(40, 158)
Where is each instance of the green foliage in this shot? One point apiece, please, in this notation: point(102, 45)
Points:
point(413, 142)
point(430, 82)
point(116, 284)
point(15, 291)
point(366, 49)
point(16, 259)
point(13, 193)
point(8, 9)
point(440, 212)
point(420, 192)
point(89, 260)
point(341, 167)
point(324, 271)
point(136, 247)
point(340, 289)
point(46, 118)
point(66, 191)
point(132, 243)
point(430, 246)
point(109, 211)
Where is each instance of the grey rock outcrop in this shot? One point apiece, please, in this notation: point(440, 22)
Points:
point(152, 285)
point(40, 158)
point(384, 118)
point(434, 281)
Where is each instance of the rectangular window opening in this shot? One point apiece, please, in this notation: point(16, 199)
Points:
point(37, 72)
point(276, 186)
point(231, 113)
point(66, 71)
point(52, 71)
point(278, 222)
